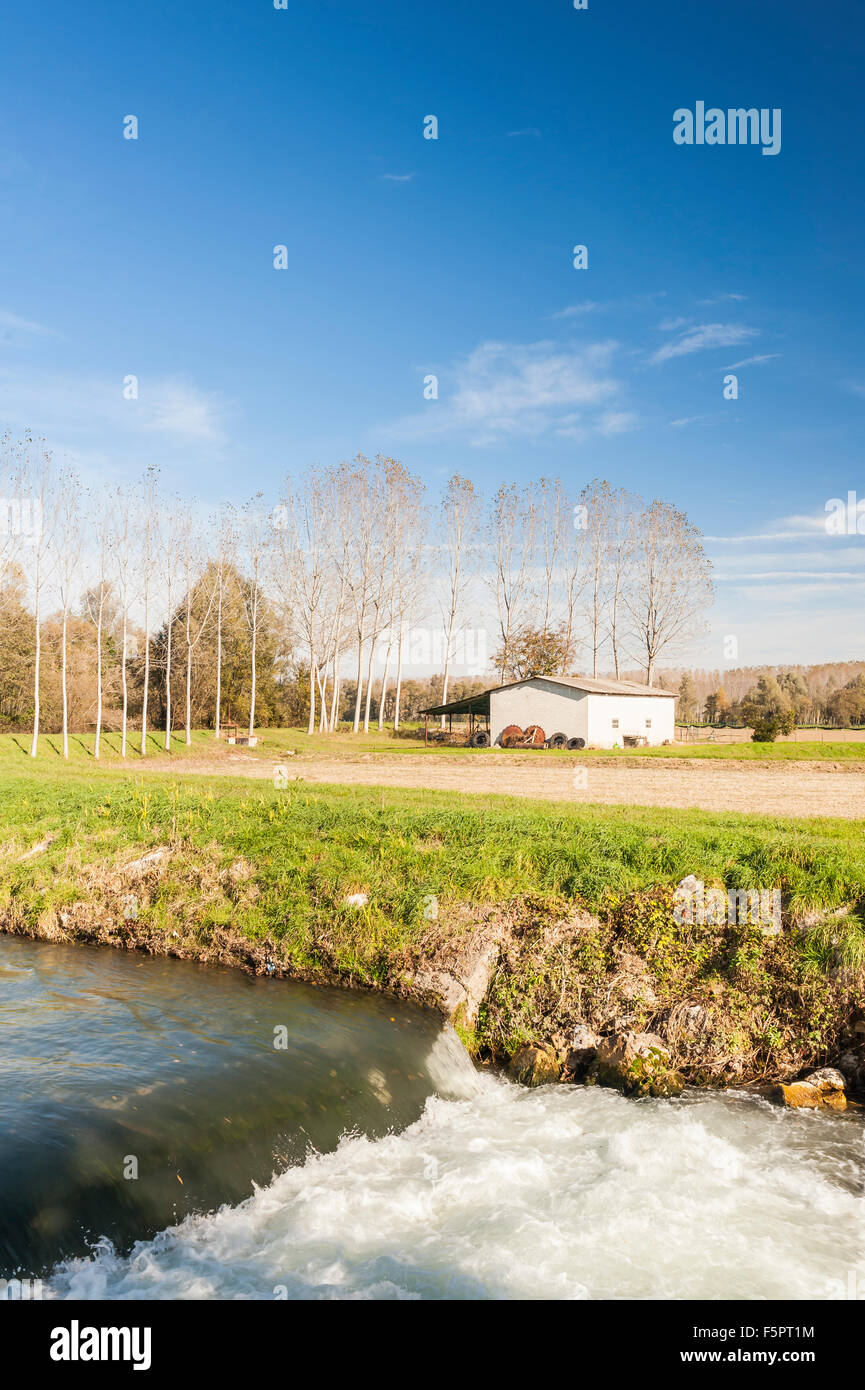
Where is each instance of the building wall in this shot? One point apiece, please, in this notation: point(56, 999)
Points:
point(561, 709)
point(632, 713)
point(556, 708)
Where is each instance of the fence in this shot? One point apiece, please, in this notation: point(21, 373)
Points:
point(700, 733)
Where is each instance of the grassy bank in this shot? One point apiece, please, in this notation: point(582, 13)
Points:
point(252, 874)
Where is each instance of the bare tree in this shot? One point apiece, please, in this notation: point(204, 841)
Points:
point(552, 509)
point(226, 542)
point(194, 624)
point(573, 547)
point(68, 543)
point(512, 529)
point(256, 531)
point(169, 552)
point(405, 526)
point(123, 561)
point(301, 563)
point(357, 510)
point(672, 583)
point(410, 600)
point(35, 534)
point(94, 605)
point(460, 522)
point(620, 554)
point(595, 501)
point(148, 546)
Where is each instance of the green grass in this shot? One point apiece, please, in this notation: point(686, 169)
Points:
point(309, 846)
point(273, 743)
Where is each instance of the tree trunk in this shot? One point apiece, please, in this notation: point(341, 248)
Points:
point(310, 727)
point(34, 746)
point(125, 688)
point(359, 692)
point(188, 694)
point(218, 663)
point(253, 674)
point(64, 685)
point(146, 689)
point(334, 703)
point(384, 685)
point(168, 684)
point(98, 680)
point(368, 685)
point(447, 674)
point(398, 691)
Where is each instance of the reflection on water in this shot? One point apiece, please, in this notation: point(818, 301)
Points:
point(112, 1063)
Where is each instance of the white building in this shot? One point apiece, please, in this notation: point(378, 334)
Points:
point(600, 712)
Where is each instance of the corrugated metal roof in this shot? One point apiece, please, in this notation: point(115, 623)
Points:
point(479, 704)
point(593, 686)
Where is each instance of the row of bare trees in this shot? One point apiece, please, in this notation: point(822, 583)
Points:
point(349, 562)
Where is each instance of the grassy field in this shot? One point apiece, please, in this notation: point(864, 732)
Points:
point(311, 846)
point(253, 875)
point(15, 749)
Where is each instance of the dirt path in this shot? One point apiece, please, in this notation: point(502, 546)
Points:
point(782, 789)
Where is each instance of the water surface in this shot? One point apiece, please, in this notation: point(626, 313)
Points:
point(369, 1159)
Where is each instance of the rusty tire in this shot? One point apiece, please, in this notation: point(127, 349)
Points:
point(512, 736)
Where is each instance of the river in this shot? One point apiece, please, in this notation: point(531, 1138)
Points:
point(169, 1130)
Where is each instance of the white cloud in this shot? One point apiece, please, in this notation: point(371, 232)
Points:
point(617, 422)
point(509, 390)
point(753, 361)
point(76, 409)
point(10, 320)
point(703, 337)
point(723, 298)
point(634, 304)
point(573, 311)
point(397, 178)
point(183, 411)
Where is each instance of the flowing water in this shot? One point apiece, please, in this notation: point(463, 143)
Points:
point(365, 1157)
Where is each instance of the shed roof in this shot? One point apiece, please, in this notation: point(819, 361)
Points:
point(480, 704)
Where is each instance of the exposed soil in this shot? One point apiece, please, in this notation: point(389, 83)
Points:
point(779, 789)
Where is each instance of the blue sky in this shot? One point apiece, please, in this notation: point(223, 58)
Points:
point(304, 127)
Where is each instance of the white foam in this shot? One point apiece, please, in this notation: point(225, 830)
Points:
point(561, 1192)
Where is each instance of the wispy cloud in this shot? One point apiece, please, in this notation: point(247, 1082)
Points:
point(397, 178)
point(513, 390)
point(14, 321)
point(723, 299)
point(72, 408)
point(183, 411)
point(703, 337)
point(573, 311)
point(634, 303)
point(530, 130)
point(753, 361)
